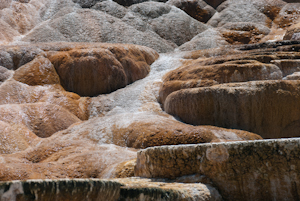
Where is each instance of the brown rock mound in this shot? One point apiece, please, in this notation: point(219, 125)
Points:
point(40, 71)
point(41, 118)
point(144, 130)
point(14, 92)
point(170, 132)
point(244, 33)
point(84, 68)
point(15, 137)
point(70, 101)
point(267, 108)
point(55, 158)
point(90, 72)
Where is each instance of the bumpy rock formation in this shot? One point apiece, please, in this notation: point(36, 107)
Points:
point(167, 21)
point(27, 21)
point(16, 137)
point(42, 119)
point(147, 130)
point(40, 71)
point(97, 71)
point(288, 15)
point(112, 8)
point(76, 27)
point(4, 74)
point(257, 106)
point(210, 38)
point(258, 170)
point(53, 158)
point(239, 12)
point(58, 61)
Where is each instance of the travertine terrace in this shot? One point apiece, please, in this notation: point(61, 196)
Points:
point(201, 97)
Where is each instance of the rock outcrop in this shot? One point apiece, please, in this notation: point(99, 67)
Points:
point(288, 15)
point(258, 170)
point(112, 8)
point(195, 92)
point(211, 38)
point(267, 99)
point(109, 190)
point(156, 24)
point(88, 189)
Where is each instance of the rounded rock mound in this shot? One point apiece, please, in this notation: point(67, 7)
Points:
point(94, 71)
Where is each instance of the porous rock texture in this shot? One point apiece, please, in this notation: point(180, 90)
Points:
point(257, 170)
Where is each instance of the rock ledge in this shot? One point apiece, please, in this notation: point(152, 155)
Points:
point(256, 170)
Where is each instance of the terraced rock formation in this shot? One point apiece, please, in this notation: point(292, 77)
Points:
point(252, 89)
point(257, 170)
point(93, 189)
point(86, 84)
